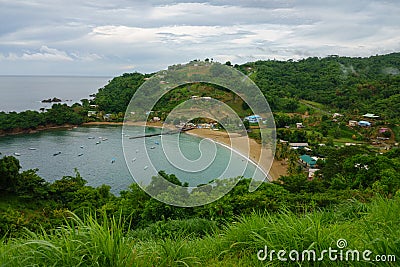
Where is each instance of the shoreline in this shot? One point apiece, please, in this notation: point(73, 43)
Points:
point(19, 131)
point(246, 147)
point(256, 153)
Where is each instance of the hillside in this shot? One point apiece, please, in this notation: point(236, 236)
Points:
point(354, 85)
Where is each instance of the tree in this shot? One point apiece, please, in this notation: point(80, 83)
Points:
point(9, 173)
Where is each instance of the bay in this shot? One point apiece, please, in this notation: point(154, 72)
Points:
point(97, 153)
point(20, 93)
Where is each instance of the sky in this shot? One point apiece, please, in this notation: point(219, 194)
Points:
point(108, 38)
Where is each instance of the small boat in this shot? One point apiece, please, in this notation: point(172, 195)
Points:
point(104, 139)
point(17, 154)
point(156, 142)
point(58, 153)
point(90, 137)
point(81, 146)
point(112, 161)
point(134, 159)
point(32, 148)
point(153, 147)
point(98, 142)
point(80, 155)
point(145, 167)
point(137, 150)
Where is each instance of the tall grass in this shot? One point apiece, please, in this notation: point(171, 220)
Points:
point(196, 242)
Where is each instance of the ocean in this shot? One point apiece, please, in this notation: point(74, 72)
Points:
point(20, 93)
point(97, 151)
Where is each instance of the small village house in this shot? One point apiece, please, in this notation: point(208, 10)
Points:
point(352, 123)
point(253, 118)
point(308, 161)
point(364, 124)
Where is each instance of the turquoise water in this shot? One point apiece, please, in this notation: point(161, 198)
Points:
point(104, 163)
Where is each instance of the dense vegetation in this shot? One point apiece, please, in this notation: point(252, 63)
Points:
point(355, 194)
point(59, 114)
point(357, 85)
point(309, 213)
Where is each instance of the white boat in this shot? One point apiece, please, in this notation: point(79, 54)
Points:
point(145, 167)
point(81, 146)
point(104, 139)
point(90, 137)
point(153, 147)
point(32, 148)
point(98, 142)
point(80, 155)
point(134, 159)
point(17, 154)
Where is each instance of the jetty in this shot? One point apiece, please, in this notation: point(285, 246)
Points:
point(184, 129)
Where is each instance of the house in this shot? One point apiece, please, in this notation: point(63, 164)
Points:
point(364, 124)
point(298, 145)
point(195, 97)
point(370, 116)
point(299, 125)
point(308, 161)
point(107, 117)
point(352, 123)
point(253, 118)
point(206, 98)
point(335, 115)
point(311, 173)
point(155, 119)
point(383, 130)
point(349, 144)
point(92, 113)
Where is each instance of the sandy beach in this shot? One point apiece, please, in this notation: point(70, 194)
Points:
point(245, 146)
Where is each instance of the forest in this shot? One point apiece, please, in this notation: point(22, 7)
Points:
point(354, 195)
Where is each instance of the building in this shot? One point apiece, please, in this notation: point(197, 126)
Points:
point(370, 116)
point(155, 119)
point(335, 115)
point(383, 130)
point(311, 173)
point(107, 116)
point(253, 118)
point(298, 145)
point(352, 123)
point(299, 125)
point(92, 113)
point(364, 124)
point(308, 161)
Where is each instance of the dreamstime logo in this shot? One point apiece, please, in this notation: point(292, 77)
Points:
point(340, 253)
point(143, 164)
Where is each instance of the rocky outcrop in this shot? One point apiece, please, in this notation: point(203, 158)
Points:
point(54, 100)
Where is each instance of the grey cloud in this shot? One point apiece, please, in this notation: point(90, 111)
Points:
point(107, 37)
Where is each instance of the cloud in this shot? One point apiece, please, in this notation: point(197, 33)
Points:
point(101, 37)
point(44, 54)
point(48, 54)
